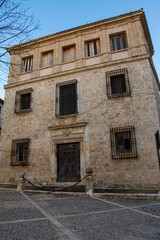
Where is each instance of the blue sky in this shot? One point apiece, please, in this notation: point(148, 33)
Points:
point(58, 15)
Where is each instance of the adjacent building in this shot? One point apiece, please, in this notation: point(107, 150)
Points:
point(86, 97)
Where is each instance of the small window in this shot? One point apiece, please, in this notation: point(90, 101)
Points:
point(123, 142)
point(27, 64)
point(118, 42)
point(69, 53)
point(47, 59)
point(20, 151)
point(118, 83)
point(92, 48)
point(66, 100)
point(23, 100)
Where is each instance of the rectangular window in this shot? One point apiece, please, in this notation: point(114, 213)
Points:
point(123, 142)
point(118, 83)
point(20, 151)
point(47, 59)
point(23, 100)
point(69, 53)
point(66, 98)
point(27, 64)
point(92, 48)
point(118, 42)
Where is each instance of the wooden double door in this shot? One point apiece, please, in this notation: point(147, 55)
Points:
point(68, 162)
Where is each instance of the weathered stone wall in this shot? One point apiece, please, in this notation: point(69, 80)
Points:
point(101, 114)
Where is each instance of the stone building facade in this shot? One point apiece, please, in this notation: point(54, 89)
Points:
point(86, 97)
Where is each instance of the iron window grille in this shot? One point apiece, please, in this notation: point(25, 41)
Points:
point(117, 82)
point(27, 64)
point(123, 142)
point(118, 42)
point(66, 98)
point(20, 151)
point(23, 101)
point(92, 48)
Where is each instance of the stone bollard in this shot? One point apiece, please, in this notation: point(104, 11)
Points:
point(21, 182)
point(89, 182)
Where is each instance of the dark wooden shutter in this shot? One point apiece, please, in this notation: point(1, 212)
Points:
point(158, 145)
point(68, 102)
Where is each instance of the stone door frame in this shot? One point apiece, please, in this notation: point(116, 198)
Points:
point(68, 134)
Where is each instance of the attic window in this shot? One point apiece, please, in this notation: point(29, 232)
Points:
point(69, 53)
point(27, 64)
point(92, 48)
point(47, 59)
point(118, 42)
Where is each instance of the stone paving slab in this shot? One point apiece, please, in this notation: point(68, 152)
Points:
point(118, 225)
point(10, 196)
point(36, 230)
point(73, 205)
point(131, 202)
point(18, 210)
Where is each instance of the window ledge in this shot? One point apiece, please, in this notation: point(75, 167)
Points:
point(22, 73)
point(70, 115)
point(41, 68)
point(24, 111)
point(121, 50)
point(20, 163)
point(69, 61)
point(88, 57)
point(124, 156)
point(119, 95)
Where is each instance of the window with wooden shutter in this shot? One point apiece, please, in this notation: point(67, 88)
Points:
point(92, 48)
point(47, 59)
point(27, 64)
point(118, 42)
point(123, 142)
point(66, 98)
point(117, 82)
point(24, 101)
point(157, 137)
point(69, 53)
point(20, 151)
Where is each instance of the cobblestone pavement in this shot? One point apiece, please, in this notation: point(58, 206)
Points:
point(31, 216)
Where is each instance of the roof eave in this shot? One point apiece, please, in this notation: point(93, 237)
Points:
point(75, 29)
